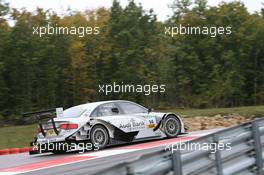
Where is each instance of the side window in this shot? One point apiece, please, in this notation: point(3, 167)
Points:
point(106, 110)
point(130, 108)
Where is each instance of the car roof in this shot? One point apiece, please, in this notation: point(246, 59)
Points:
point(93, 105)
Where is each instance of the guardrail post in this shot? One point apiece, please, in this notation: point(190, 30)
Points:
point(218, 160)
point(176, 163)
point(258, 147)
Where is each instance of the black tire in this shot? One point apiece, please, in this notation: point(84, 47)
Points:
point(172, 126)
point(99, 137)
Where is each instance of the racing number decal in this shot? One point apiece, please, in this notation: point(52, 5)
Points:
point(151, 122)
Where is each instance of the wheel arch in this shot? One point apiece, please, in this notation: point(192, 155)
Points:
point(165, 116)
point(109, 128)
point(99, 124)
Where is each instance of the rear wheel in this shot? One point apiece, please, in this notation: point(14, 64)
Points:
point(99, 137)
point(172, 126)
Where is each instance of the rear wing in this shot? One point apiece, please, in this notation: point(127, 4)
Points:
point(49, 114)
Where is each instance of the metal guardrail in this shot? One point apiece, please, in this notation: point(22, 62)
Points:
point(245, 156)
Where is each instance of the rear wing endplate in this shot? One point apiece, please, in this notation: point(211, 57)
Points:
point(49, 114)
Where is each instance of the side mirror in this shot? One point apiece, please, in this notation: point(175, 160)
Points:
point(150, 110)
point(115, 110)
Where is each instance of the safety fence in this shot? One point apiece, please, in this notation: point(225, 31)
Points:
point(236, 150)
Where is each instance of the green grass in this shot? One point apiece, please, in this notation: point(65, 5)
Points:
point(21, 136)
point(17, 136)
point(248, 111)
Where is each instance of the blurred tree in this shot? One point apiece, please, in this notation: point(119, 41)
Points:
point(4, 32)
point(131, 48)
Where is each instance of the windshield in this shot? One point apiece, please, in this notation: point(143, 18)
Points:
point(73, 112)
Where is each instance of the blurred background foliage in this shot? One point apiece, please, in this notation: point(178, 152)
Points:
point(65, 70)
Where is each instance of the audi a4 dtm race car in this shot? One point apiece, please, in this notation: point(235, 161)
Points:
point(102, 124)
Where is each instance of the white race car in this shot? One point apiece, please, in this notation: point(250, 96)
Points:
point(104, 123)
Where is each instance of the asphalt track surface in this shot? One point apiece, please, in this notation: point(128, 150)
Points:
point(85, 163)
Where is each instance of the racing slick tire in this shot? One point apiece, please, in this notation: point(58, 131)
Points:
point(99, 136)
point(172, 126)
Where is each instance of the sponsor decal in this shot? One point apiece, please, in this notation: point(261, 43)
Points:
point(123, 126)
point(152, 125)
point(133, 124)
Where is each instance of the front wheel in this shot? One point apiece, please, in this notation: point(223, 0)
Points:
point(172, 126)
point(99, 137)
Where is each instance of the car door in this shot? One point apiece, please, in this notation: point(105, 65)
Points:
point(112, 114)
point(140, 119)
